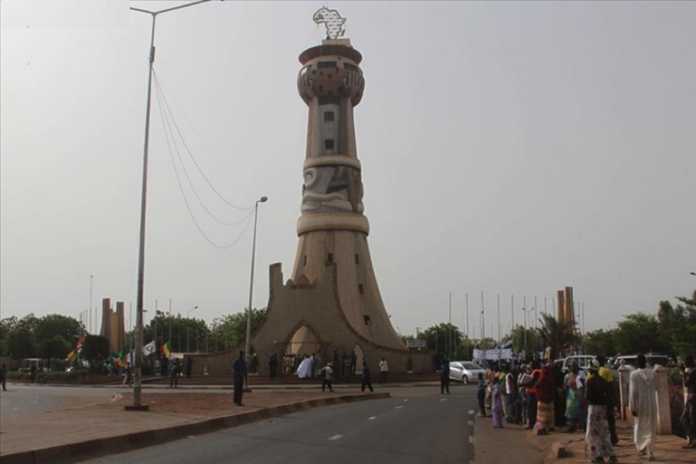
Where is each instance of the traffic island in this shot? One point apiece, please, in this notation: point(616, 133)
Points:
point(67, 435)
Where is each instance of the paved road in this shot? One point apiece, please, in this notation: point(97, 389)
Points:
point(417, 425)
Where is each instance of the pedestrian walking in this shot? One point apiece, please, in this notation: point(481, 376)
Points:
point(383, 370)
point(326, 373)
point(174, 373)
point(239, 372)
point(3, 376)
point(641, 401)
point(597, 437)
point(689, 415)
point(365, 378)
point(444, 376)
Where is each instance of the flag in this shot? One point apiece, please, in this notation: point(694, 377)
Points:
point(149, 349)
point(71, 356)
point(166, 352)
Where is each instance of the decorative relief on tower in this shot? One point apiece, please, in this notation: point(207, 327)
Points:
point(331, 79)
point(332, 188)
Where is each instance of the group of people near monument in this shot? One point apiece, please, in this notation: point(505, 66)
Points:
point(543, 398)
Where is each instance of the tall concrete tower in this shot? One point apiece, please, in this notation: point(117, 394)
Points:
point(333, 227)
point(332, 303)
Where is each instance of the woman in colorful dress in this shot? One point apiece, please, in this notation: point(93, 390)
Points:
point(572, 401)
point(497, 403)
point(544, 390)
point(597, 436)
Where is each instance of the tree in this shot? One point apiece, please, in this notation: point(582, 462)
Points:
point(560, 336)
point(599, 342)
point(182, 333)
point(524, 339)
point(230, 331)
point(446, 340)
point(54, 348)
point(95, 349)
point(639, 333)
point(21, 342)
point(57, 325)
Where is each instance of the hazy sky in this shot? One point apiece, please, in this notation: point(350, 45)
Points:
point(510, 148)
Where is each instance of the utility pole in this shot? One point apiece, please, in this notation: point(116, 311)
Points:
point(512, 313)
point(92, 322)
point(498, 304)
point(449, 329)
point(247, 341)
point(466, 297)
point(483, 316)
point(137, 384)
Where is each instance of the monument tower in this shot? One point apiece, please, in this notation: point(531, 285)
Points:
point(332, 301)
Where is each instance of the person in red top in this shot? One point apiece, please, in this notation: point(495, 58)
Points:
point(532, 394)
point(544, 394)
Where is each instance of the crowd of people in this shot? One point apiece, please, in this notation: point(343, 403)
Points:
point(543, 397)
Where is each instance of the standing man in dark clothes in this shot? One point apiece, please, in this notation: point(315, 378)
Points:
point(444, 376)
point(366, 378)
point(32, 369)
point(273, 365)
point(3, 377)
point(689, 415)
point(239, 371)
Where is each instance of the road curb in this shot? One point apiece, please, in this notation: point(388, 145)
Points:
point(109, 445)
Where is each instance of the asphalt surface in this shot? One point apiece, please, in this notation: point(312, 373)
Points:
point(416, 425)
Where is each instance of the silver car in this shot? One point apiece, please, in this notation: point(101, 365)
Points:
point(464, 371)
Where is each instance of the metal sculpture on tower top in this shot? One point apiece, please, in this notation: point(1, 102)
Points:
point(332, 20)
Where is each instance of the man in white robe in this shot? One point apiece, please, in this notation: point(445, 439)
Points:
point(304, 370)
point(642, 400)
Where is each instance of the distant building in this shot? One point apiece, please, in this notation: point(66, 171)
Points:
point(113, 326)
point(566, 305)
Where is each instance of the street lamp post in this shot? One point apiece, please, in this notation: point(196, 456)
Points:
point(247, 341)
point(188, 329)
point(137, 384)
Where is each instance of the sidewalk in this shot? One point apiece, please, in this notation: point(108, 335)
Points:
point(104, 427)
point(668, 449)
point(514, 443)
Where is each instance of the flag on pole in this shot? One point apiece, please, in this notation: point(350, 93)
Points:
point(149, 349)
point(166, 351)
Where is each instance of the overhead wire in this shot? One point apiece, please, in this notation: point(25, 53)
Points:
point(171, 146)
point(193, 159)
point(169, 120)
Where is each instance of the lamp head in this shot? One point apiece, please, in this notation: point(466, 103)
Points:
point(263, 199)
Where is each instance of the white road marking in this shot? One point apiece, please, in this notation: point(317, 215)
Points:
point(399, 406)
point(372, 418)
point(471, 423)
point(471, 439)
point(471, 412)
point(405, 400)
point(442, 400)
point(338, 436)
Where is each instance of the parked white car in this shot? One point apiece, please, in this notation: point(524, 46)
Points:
point(465, 371)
